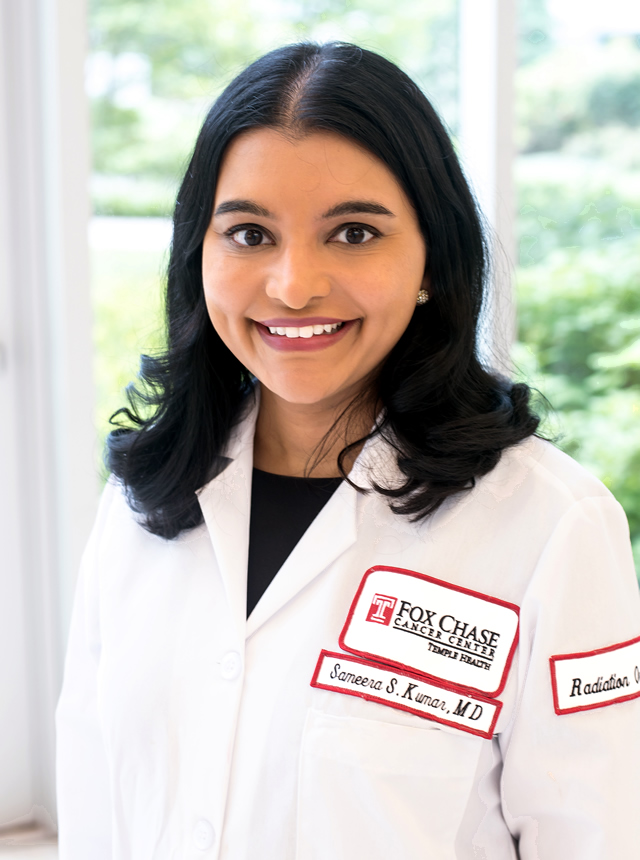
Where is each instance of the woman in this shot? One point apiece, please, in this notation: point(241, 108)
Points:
point(441, 649)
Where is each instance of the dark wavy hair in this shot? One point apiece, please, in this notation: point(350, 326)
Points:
point(447, 416)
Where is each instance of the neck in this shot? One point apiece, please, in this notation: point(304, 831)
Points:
point(290, 437)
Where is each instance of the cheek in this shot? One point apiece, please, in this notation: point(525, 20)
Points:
point(225, 295)
point(390, 333)
point(395, 280)
point(390, 312)
point(391, 298)
point(229, 326)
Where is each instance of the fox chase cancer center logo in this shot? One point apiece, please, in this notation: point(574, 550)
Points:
point(381, 609)
point(435, 628)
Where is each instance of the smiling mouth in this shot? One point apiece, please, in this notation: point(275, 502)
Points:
point(306, 331)
point(315, 333)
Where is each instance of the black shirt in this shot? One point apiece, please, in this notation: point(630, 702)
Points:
point(282, 509)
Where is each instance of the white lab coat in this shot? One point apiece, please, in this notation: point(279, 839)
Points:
point(186, 731)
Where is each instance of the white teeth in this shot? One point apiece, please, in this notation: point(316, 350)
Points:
point(304, 331)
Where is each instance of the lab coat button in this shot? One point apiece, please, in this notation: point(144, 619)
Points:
point(203, 835)
point(231, 666)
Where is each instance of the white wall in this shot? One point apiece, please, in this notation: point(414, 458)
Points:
point(47, 483)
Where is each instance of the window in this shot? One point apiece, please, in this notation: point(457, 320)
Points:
point(577, 179)
point(153, 68)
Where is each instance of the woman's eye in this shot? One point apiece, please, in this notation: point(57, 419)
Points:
point(248, 236)
point(354, 234)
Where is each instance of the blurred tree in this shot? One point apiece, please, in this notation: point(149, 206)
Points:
point(579, 343)
point(574, 89)
point(616, 99)
point(192, 45)
point(564, 203)
point(112, 127)
point(193, 51)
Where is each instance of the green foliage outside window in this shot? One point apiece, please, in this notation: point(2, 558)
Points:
point(579, 344)
point(578, 280)
point(577, 178)
point(192, 50)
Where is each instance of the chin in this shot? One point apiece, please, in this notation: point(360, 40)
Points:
point(306, 392)
point(305, 397)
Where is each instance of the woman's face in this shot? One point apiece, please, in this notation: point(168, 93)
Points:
point(311, 264)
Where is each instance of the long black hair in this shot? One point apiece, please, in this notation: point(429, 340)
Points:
point(448, 417)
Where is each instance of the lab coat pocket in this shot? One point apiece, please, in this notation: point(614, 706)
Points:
point(371, 789)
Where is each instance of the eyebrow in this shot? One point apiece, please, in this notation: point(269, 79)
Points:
point(348, 207)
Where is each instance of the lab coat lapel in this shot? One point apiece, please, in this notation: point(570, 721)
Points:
point(226, 506)
point(332, 532)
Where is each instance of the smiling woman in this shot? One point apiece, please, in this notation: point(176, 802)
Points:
point(311, 304)
point(298, 141)
point(320, 460)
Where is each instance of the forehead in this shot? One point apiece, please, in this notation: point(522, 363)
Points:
point(317, 167)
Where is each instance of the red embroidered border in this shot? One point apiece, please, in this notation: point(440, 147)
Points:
point(554, 681)
point(379, 658)
point(401, 707)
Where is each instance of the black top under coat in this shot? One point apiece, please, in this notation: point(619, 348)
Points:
point(282, 509)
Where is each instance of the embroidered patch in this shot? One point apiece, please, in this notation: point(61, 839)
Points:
point(448, 633)
point(593, 679)
point(342, 673)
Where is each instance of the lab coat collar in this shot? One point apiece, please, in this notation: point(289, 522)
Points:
point(226, 506)
point(335, 529)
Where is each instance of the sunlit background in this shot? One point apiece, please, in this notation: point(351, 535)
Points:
point(155, 67)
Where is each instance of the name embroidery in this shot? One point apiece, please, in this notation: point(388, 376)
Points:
point(594, 679)
point(342, 673)
point(442, 631)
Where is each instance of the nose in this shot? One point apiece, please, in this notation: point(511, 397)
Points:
point(297, 278)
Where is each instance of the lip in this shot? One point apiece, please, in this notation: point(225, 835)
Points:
point(299, 322)
point(301, 344)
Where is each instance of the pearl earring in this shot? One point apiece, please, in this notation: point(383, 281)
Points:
point(423, 297)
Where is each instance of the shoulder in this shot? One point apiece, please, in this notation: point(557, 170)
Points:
point(533, 492)
point(559, 516)
point(559, 496)
point(536, 465)
point(114, 505)
point(117, 523)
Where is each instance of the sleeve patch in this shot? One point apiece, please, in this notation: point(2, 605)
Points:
point(593, 679)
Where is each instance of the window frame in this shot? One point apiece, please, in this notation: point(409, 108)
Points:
point(49, 487)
